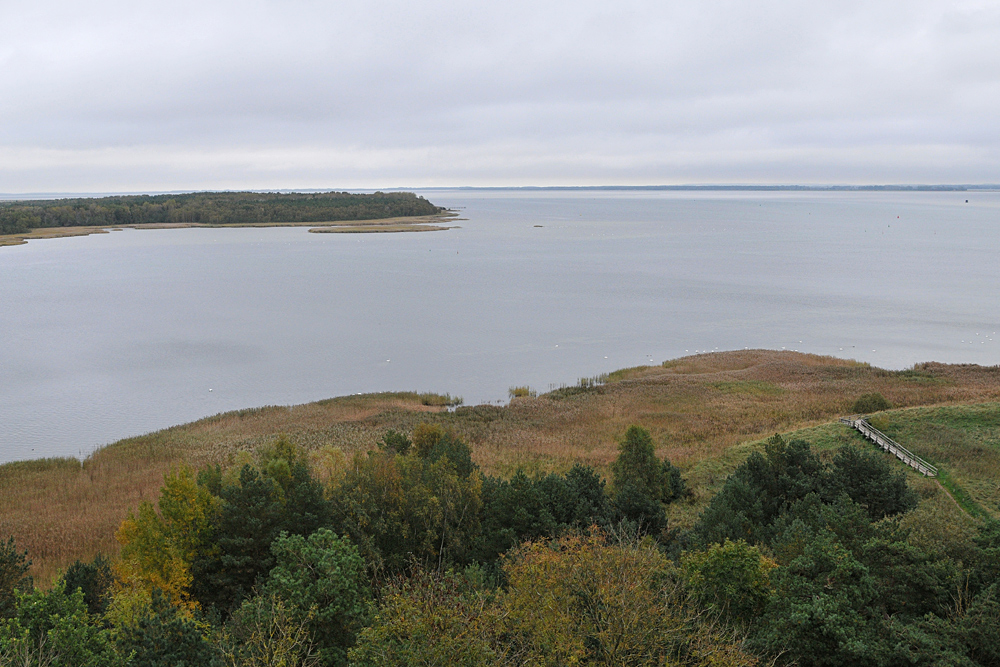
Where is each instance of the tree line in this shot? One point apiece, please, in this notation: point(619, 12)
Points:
point(214, 208)
point(409, 554)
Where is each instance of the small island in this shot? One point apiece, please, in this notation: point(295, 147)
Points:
point(383, 212)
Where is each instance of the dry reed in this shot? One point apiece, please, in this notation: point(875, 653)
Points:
point(705, 412)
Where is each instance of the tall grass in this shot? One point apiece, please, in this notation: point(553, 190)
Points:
point(706, 414)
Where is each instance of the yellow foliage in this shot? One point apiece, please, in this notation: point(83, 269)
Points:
point(329, 465)
point(158, 547)
point(129, 601)
point(425, 436)
point(580, 600)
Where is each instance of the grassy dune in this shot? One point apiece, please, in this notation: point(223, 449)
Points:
point(706, 412)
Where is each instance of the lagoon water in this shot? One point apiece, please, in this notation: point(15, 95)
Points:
point(118, 334)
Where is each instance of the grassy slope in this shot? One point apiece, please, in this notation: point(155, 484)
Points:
point(706, 413)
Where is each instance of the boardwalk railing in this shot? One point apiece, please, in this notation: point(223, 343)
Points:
point(860, 422)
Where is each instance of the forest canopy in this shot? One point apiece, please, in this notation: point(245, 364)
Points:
point(212, 208)
point(410, 554)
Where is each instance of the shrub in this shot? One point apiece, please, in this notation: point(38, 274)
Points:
point(395, 442)
point(522, 392)
point(440, 400)
point(431, 620)
point(425, 436)
point(868, 403)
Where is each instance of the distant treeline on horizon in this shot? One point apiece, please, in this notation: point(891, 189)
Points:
point(215, 208)
point(750, 188)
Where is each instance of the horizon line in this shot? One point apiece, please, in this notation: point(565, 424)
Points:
point(746, 187)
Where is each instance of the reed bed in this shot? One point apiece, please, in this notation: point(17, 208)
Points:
point(706, 414)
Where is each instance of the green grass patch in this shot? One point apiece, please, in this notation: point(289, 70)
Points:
point(924, 377)
point(378, 398)
point(625, 373)
point(964, 500)
point(575, 390)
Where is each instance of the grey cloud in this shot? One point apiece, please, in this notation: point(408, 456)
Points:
point(351, 94)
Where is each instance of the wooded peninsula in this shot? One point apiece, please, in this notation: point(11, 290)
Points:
point(210, 208)
point(708, 511)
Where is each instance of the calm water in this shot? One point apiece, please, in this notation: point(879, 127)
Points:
point(118, 334)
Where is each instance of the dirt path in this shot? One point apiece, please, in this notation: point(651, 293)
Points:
point(948, 493)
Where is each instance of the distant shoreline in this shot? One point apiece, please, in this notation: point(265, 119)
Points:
point(746, 187)
point(735, 188)
point(420, 223)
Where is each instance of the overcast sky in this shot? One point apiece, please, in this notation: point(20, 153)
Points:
point(110, 95)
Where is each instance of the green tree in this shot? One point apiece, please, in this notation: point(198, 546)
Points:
point(265, 632)
point(163, 637)
point(642, 483)
point(514, 510)
point(637, 463)
point(250, 518)
point(638, 511)
point(583, 601)
point(822, 613)
point(159, 547)
point(456, 451)
point(588, 503)
point(322, 578)
point(14, 577)
point(400, 508)
point(434, 620)
point(731, 579)
point(94, 579)
point(759, 491)
point(869, 479)
point(986, 567)
point(56, 626)
point(304, 506)
point(524, 508)
point(846, 588)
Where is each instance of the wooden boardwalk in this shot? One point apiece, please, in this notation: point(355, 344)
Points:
point(860, 422)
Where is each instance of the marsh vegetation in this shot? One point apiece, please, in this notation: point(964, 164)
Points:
point(657, 493)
